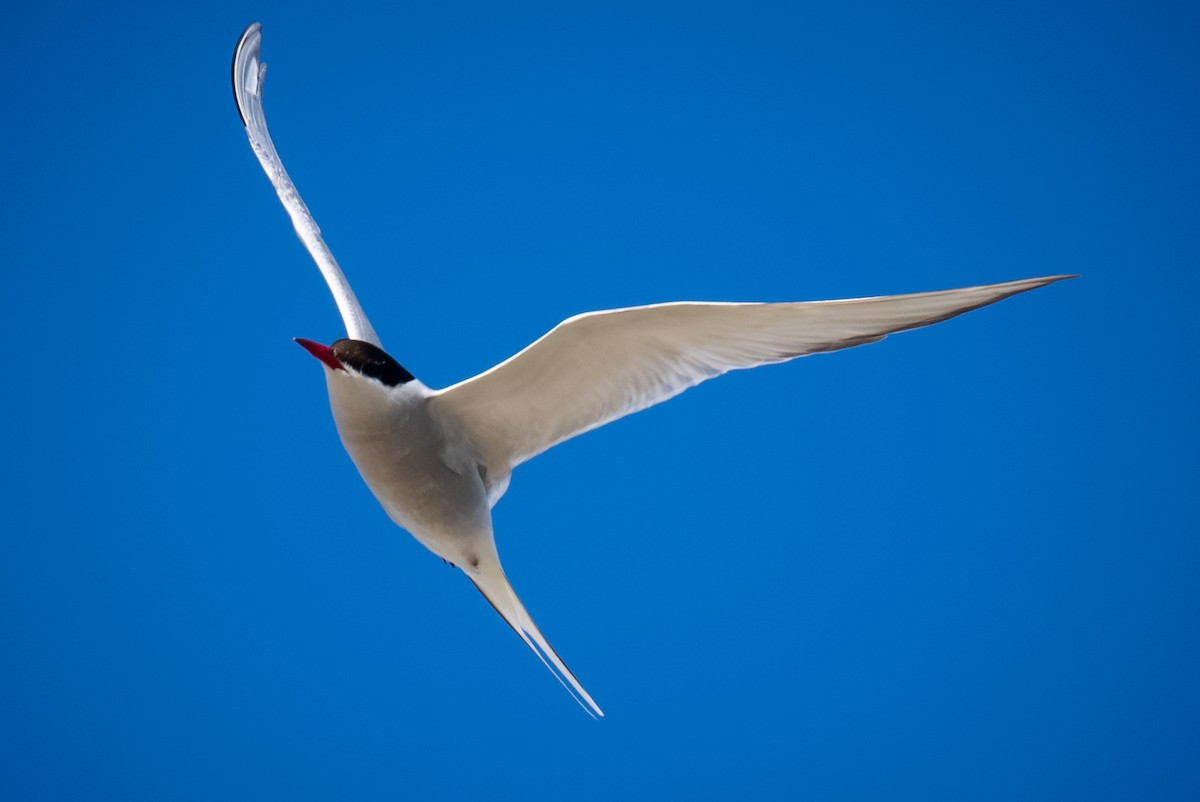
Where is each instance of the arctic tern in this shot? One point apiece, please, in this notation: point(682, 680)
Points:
point(439, 460)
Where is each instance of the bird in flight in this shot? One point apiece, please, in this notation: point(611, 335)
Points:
point(439, 460)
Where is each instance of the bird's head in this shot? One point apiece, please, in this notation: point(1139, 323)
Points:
point(359, 358)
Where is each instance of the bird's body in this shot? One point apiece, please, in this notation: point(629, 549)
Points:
point(414, 455)
point(438, 460)
point(426, 482)
point(427, 479)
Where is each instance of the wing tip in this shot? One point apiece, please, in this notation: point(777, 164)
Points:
point(1059, 277)
point(1025, 285)
point(246, 56)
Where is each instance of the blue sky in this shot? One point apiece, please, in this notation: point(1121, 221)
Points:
point(959, 564)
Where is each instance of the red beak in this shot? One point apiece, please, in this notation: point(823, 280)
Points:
point(321, 352)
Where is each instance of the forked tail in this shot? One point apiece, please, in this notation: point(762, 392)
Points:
point(495, 587)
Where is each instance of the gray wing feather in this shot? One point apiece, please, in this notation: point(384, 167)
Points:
point(594, 368)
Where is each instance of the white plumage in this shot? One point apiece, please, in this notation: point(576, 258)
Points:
point(437, 460)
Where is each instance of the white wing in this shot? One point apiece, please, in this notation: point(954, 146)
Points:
point(248, 75)
point(597, 367)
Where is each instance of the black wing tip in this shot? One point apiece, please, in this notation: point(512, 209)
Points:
point(249, 46)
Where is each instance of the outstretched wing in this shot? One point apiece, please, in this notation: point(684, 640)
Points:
point(248, 75)
point(597, 367)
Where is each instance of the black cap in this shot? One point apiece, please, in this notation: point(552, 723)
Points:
point(370, 360)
